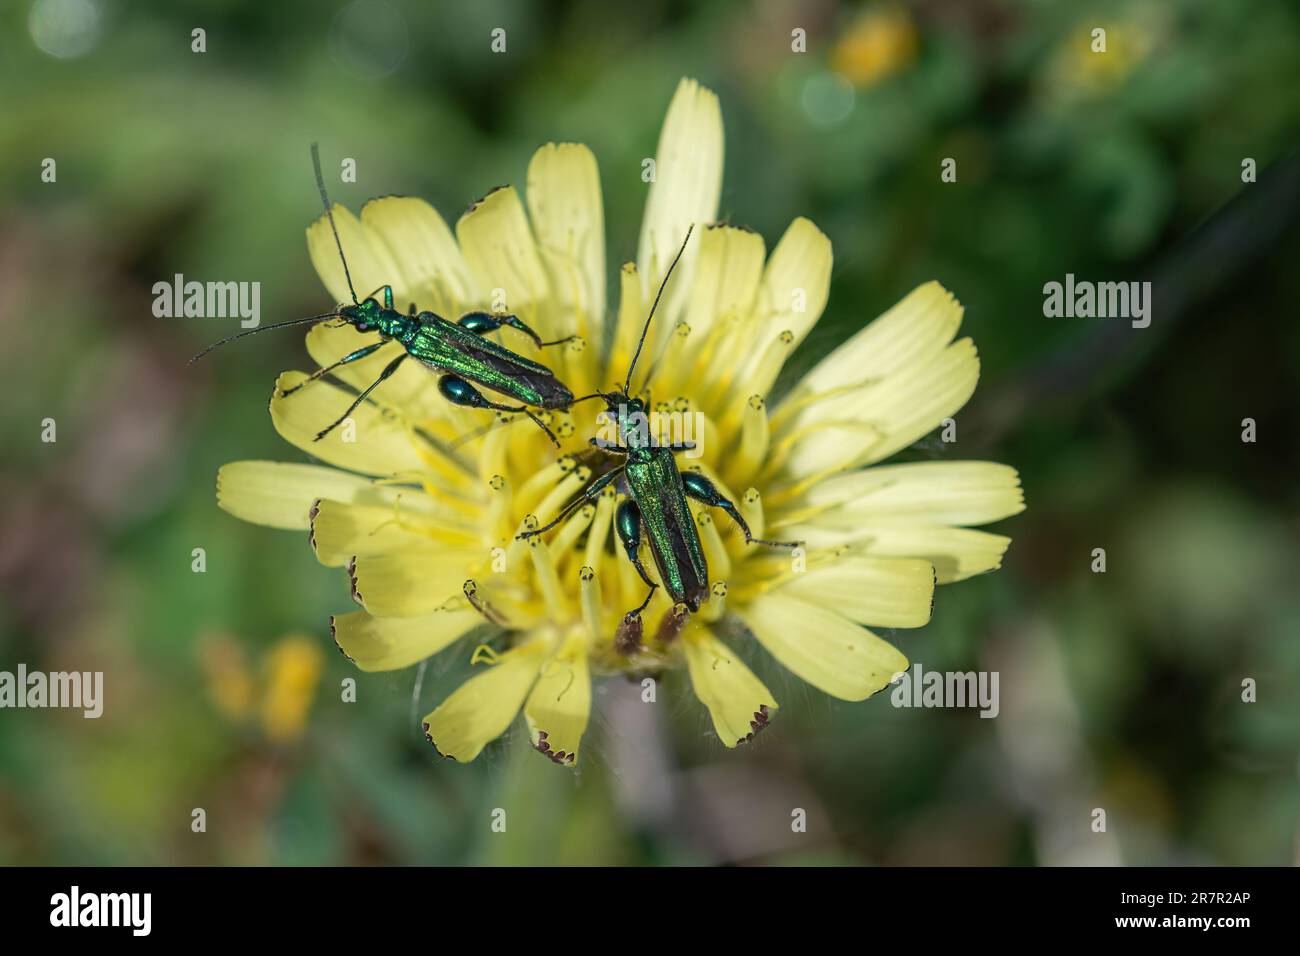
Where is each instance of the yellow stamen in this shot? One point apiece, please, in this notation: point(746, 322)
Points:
point(812, 511)
point(572, 528)
point(802, 398)
point(754, 437)
point(494, 457)
point(717, 604)
point(751, 508)
point(562, 494)
point(535, 488)
point(447, 466)
point(484, 653)
point(600, 529)
point(676, 362)
point(715, 552)
point(548, 580)
point(760, 379)
point(499, 519)
point(589, 591)
point(718, 374)
point(780, 453)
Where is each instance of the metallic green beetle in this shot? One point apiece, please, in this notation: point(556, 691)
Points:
point(457, 349)
point(656, 491)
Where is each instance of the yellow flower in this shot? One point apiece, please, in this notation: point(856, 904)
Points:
point(415, 520)
point(282, 699)
point(230, 684)
point(880, 42)
point(1078, 68)
point(293, 670)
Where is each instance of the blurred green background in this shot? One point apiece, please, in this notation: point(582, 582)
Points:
point(1119, 690)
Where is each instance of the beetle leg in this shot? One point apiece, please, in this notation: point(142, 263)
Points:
point(613, 449)
point(460, 392)
point(588, 494)
point(387, 290)
point(479, 322)
point(389, 369)
point(353, 357)
point(482, 322)
point(470, 589)
point(627, 519)
point(704, 491)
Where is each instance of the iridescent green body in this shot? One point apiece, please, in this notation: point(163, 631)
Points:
point(655, 484)
point(656, 502)
point(457, 349)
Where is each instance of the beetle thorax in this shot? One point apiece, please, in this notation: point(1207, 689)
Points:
point(633, 422)
point(370, 316)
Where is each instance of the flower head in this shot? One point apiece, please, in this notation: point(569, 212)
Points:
point(423, 505)
point(281, 700)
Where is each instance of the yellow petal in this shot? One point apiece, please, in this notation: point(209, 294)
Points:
point(688, 182)
point(796, 283)
point(390, 643)
point(727, 276)
point(558, 708)
point(931, 492)
point(280, 495)
point(482, 708)
point(627, 325)
point(905, 337)
point(432, 270)
point(417, 580)
point(956, 553)
point(412, 389)
point(368, 260)
point(503, 258)
point(380, 442)
point(886, 592)
point(873, 421)
point(821, 646)
point(342, 530)
point(565, 207)
point(737, 700)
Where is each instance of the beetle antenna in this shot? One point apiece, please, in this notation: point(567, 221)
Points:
point(329, 211)
point(264, 328)
point(542, 425)
point(586, 397)
point(627, 386)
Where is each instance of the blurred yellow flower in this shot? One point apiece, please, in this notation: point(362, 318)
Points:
point(880, 42)
point(1081, 68)
point(281, 700)
point(292, 672)
point(230, 682)
point(420, 525)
